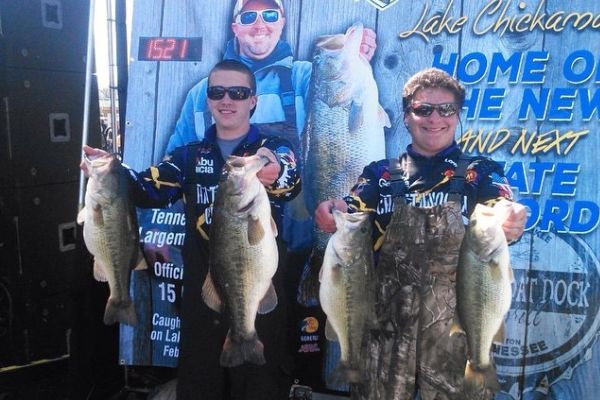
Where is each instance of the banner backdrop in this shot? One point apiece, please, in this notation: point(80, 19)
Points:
point(530, 69)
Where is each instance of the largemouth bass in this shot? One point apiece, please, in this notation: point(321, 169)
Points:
point(344, 130)
point(110, 232)
point(483, 293)
point(243, 258)
point(346, 292)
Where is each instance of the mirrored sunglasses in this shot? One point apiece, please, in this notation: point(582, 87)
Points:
point(444, 110)
point(249, 17)
point(234, 92)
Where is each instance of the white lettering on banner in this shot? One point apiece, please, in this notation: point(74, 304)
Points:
point(167, 217)
point(172, 336)
point(167, 322)
point(170, 351)
point(164, 238)
point(554, 316)
point(168, 270)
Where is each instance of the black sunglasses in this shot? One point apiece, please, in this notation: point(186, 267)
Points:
point(425, 109)
point(234, 92)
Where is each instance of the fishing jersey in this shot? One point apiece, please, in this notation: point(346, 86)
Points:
point(426, 183)
point(193, 172)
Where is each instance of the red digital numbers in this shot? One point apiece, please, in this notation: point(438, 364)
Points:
point(170, 49)
point(164, 49)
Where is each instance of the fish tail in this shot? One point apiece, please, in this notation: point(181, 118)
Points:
point(243, 351)
point(479, 379)
point(343, 374)
point(120, 311)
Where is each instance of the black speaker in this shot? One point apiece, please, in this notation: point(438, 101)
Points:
point(41, 126)
point(44, 34)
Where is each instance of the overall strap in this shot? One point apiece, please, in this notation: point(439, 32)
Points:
point(286, 94)
point(457, 182)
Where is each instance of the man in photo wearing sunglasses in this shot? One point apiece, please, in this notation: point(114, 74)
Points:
point(193, 172)
point(431, 172)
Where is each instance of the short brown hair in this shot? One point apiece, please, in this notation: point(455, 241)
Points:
point(235, 65)
point(432, 78)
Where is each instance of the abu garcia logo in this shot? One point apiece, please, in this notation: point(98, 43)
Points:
point(382, 5)
point(205, 166)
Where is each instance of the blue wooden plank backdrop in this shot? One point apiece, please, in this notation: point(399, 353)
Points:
point(551, 349)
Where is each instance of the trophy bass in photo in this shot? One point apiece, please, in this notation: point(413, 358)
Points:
point(344, 131)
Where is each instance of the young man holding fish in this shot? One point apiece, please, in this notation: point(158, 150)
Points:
point(422, 202)
point(194, 171)
point(282, 87)
point(283, 90)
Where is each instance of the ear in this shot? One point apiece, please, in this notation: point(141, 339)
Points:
point(235, 28)
point(253, 101)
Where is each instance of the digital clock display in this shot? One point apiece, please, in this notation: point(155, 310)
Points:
point(170, 49)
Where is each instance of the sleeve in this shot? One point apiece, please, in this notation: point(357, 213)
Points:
point(287, 186)
point(158, 186)
point(364, 195)
point(185, 128)
point(493, 184)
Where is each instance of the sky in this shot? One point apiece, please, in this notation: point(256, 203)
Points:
point(101, 38)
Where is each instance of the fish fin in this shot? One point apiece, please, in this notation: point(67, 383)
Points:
point(81, 216)
point(511, 274)
point(140, 263)
point(330, 333)
point(474, 379)
point(97, 216)
point(456, 327)
point(250, 350)
point(269, 301)
point(255, 231)
point(99, 271)
point(356, 117)
point(336, 274)
point(122, 312)
point(383, 117)
point(501, 334)
point(274, 227)
point(495, 269)
point(477, 380)
point(210, 295)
